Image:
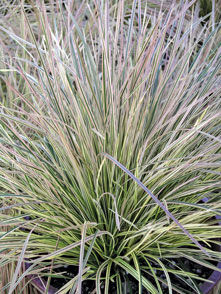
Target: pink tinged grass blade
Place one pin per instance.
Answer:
(130, 28)
(84, 263)
(19, 264)
(213, 14)
(156, 200)
(81, 266)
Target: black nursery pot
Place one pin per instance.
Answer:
(206, 287)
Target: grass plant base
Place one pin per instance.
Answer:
(131, 284)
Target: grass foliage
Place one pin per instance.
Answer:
(92, 92)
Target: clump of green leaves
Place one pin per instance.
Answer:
(96, 95)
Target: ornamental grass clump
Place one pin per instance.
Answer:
(109, 140)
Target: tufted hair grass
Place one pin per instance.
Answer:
(94, 94)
